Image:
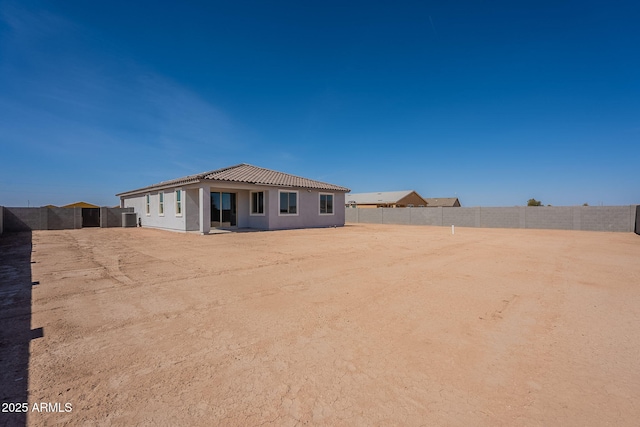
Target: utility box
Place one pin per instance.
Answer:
(129, 219)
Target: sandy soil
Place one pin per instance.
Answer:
(361, 325)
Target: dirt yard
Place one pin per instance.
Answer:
(361, 325)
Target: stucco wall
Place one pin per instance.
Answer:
(191, 214)
(591, 218)
(257, 221)
(168, 220)
(308, 210)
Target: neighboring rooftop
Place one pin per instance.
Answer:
(80, 205)
(386, 199)
(245, 173)
(375, 198)
(443, 201)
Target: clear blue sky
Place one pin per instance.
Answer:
(494, 102)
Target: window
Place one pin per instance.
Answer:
(147, 204)
(257, 203)
(326, 204)
(160, 203)
(288, 203)
(178, 202)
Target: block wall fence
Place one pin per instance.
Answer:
(587, 218)
(26, 219)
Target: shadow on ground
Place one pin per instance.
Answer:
(15, 324)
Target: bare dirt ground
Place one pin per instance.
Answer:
(361, 325)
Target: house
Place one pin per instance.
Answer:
(387, 199)
(240, 196)
(447, 202)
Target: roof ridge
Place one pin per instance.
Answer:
(272, 170)
(203, 174)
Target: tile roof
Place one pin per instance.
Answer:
(244, 173)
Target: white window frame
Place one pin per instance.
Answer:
(251, 213)
(297, 202)
(333, 204)
(178, 203)
(161, 203)
(147, 204)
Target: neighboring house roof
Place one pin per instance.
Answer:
(443, 201)
(80, 205)
(244, 173)
(384, 197)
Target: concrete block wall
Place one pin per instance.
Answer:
(112, 217)
(501, 217)
(550, 217)
(395, 216)
(26, 219)
(637, 227)
(62, 218)
(424, 216)
(370, 216)
(589, 218)
(461, 217)
(351, 215)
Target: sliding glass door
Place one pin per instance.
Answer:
(223, 209)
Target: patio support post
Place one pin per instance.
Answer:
(204, 203)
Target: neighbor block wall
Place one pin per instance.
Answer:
(26, 219)
(370, 216)
(590, 218)
(351, 215)
(460, 217)
(112, 217)
(62, 218)
(426, 216)
(500, 217)
(551, 217)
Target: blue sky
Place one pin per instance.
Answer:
(492, 102)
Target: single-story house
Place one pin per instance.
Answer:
(385, 199)
(240, 196)
(447, 202)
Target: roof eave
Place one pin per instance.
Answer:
(160, 186)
